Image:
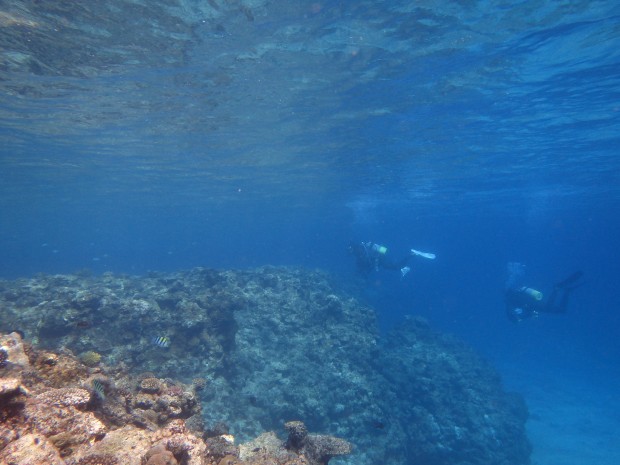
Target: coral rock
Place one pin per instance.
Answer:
(52, 419)
(199, 383)
(176, 426)
(150, 385)
(9, 386)
(265, 449)
(65, 396)
(229, 460)
(317, 448)
(179, 445)
(31, 449)
(4, 356)
(128, 444)
(90, 358)
(48, 359)
(98, 459)
(14, 348)
(220, 447)
(186, 448)
(157, 449)
(163, 458)
(297, 434)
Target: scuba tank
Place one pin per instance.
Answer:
(533, 293)
(380, 249)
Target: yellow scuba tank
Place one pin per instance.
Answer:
(537, 295)
(381, 249)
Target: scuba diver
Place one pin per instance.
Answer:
(370, 257)
(523, 302)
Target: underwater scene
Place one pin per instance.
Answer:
(268, 232)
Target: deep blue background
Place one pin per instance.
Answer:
(459, 292)
(480, 132)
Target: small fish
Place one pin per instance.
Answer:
(162, 341)
(83, 324)
(99, 389)
(378, 424)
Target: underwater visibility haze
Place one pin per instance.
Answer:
(175, 169)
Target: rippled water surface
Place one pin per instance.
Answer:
(181, 102)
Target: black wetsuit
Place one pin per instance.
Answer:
(521, 304)
(368, 258)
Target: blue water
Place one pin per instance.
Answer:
(238, 134)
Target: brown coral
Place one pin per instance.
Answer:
(163, 458)
(48, 359)
(4, 356)
(229, 460)
(297, 434)
(220, 446)
(59, 370)
(199, 383)
(157, 449)
(320, 448)
(90, 358)
(317, 448)
(150, 385)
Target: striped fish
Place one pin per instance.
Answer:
(99, 389)
(162, 341)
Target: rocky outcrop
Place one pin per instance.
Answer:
(449, 403)
(47, 425)
(258, 349)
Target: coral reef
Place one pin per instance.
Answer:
(42, 424)
(259, 348)
(4, 356)
(317, 448)
(90, 358)
(455, 410)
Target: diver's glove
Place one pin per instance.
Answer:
(428, 255)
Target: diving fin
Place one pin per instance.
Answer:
(570, 281)
(430, 256)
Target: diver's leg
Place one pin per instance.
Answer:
(571, 281)
(564, 301)
(388, 264)
(564, 288)
(549, 306)
(561, 307)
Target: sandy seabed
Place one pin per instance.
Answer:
(574, 415)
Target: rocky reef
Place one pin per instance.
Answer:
(450, 403)
(54, 410)
(258, 349)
